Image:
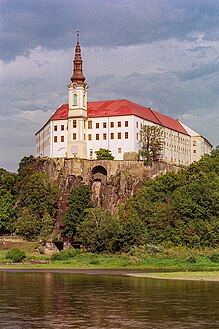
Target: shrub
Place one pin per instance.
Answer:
(64, 254)
(191, 259)
(214, 258)
(16, 255)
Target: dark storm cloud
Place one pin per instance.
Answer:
(27, 24)
(200, 72)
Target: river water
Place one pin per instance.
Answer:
(54, 300)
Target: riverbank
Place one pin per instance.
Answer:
(138, 273)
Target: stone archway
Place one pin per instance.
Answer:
(98, 176)
(99, 173)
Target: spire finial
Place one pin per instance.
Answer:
(78, 72)
(77, 33)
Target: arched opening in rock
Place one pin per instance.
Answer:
(99, 174)
(99, 170)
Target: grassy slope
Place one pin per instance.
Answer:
(87, 260)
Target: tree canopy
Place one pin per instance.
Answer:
(104, 154)
(150, 143)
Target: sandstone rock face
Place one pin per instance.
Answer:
(112, 182)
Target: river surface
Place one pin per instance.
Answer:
(64, 300)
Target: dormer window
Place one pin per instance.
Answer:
(75, 99)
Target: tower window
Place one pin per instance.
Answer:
(104, 136)
(104, 124)
(74, 136)
(89, 124)
(55, 128)
(75, 99)
(74, 124)
(111, 124)
(119, 135)
(126, 135)
(55, 139)
(84, 103)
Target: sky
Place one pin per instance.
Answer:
(162, 54)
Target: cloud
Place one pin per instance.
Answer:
(52, 24)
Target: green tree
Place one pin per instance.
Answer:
(104, 154)
(79, 201)
(6, 212)
(36, 192)
(150, 143)
(28, 224)
(99, 231)
(25, 161)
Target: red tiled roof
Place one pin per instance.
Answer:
(122, 107)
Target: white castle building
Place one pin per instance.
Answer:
(80, 128)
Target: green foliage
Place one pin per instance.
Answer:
(25, 161)
(64, 254)
(150, 143)
(6, 212)
(104, 154)
(102, 232)
(16, 255)
(79, 201)
(181, 208)
(214, 258)
(37, 193)
(31, 226)
(99, 231)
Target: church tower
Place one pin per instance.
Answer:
(77, 112)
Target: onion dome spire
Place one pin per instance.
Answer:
(78, 76)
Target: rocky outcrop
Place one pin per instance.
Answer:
(111, 181)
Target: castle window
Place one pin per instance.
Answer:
(55, 128)
(112, 135)
(119, 150)
(62, 139)
(75, 100)
(194, 151)
(84, 124)
(91, 154)
(85, 137)
(137, 136)
(97, 125)
(89, 124)
(62, 127)
(104, 124)
(141, 125)
(104, 136)
(84, 103)
(55, 139)
(97, 137)
(89, 137)
(126, 123)
(194, 143)
(111, 124)
(74, 136)
(119, 124)
(74, 123)
(126, 135)
(137, 124)
(119, 135)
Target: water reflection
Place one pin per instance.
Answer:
(48, 300)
